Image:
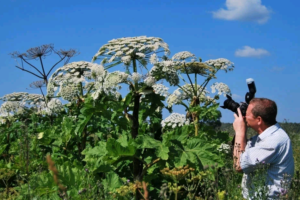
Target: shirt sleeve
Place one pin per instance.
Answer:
(252, 156)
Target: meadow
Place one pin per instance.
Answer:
(84, 140)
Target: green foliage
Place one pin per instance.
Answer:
(113, 148)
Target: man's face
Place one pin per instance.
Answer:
(250, 119)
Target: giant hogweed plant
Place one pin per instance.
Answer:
(117, 137)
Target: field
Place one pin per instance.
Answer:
(85, 139)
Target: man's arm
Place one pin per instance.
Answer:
(239, 126)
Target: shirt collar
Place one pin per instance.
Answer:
(269, 131)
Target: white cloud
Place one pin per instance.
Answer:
(251, 52)
(244, 10)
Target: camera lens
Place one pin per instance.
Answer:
(230, 104)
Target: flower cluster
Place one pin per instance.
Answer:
(150, 81)
(186, 93)
(221, 63)
(224, 148)
(166, 70)
(183, 55)
(160, 89)
(68, 79)
(136, 77)
(109, 83)
(74, 80)
(175, 120)
(11, 108)
(24, 98)
(54, 106)
(222, 88)
(129, 48)
(15, 96)
(34, 99)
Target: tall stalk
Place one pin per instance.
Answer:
(137, 164)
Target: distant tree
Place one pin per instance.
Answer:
(40, 53)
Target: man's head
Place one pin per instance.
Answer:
(261, 112)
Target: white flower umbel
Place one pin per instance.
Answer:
(69, 91)
(224, 148)
(160, 89)
(153, 59)
(186, 93)
(175, 120)
(34, 99)
(183, 55)
(136, 77)
(222, 88)
(74, 80)
(11, 108)
(72, 76)
(54, 106)
(150, 81)
(16, 96)
(25, 98)
(221, 63)
(98, 71)
(126, 49)
(166, 70)
(110, 84)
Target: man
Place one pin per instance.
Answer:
(271, 146)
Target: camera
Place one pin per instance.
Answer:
(233, 106)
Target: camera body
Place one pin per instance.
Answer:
(233, 106)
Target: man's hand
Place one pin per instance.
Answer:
(239, 124)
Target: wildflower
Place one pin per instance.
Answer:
(136, 77)
(129, 48)
(182, 56)
(222, 88)
(150, 81)
(165, 70)
(175, 120)
(153, 59)
(186, 93)
(160, 89)
(224, 148)
(54, 106)
(221, 63)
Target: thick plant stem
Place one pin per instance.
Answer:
(196, 124)
(84, 137)
(135, 116)
(176, 192)
(137, 164)
(196, 84)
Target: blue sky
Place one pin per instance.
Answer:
(261, 37)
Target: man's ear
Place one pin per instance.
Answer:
(259, 120)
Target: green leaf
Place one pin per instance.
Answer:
(196, 151)
(145, 141)
(162, 152)
(99, 150)
(114, 148)
(94, 157)
(123, 140)
(112, 181)
(203, 151)
(2, 148)
(127, 100)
